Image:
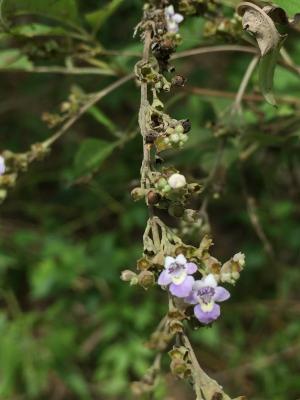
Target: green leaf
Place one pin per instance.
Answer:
(13, 58)
(291, 7)
(91, 155)
(97, 18)
(63, 10)
(102, 119)
(33, 30)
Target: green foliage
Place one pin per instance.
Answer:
(91, 154)
(63, 10)
(69, 328)
(292, 7)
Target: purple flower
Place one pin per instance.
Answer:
(177, 274)
(205, 293)
(2, 165)
(173, 19)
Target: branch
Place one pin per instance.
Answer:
(94, 98)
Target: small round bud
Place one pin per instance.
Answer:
(174, 138)
(162, 182)
(179, 129)
(143, 264)
(184, 138)
(178, 81)
(177, 181)
(146, 279)
(153, 197)
(137, 193)
(166, 189)
(169, 130)
(127, 275)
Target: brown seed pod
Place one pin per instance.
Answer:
(153, 197)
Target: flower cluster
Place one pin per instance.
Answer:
(203, 293)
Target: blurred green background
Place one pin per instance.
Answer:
(69, 328)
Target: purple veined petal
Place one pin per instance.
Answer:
(178, 18)
(221, 294)
(210, 280)
(207, 317)
(164, 278)
(180, 259)
(168, 261)
(184, 289)
(191, 268)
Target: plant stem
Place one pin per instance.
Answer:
(94, 98)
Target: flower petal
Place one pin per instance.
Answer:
(210, 280)
(221, 294)
(180, 259)
(178, 18)
(191, 298)
(207, 317)
(168, 261)
(184, 289)
(179, 277)
(164, 278)
(169, 11)
(191, 268)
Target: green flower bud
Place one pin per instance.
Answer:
(174, 138)
(179, 128)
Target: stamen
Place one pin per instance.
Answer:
(206, 294)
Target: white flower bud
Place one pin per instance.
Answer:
(2, 165)
(177, 181)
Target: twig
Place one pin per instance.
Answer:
(92, 100)
(61, 70)
(145, 168)
(231, 95)
(254, 219)
(236, 108)
(214, 49)
(204, 385)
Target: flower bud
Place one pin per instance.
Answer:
(143, 264)
(177, 181)
(127, 275)
(137, 193)
(178, 81)
(174, 138)
(153, 197)
(146, 279)
(2, 165)
(179, 128)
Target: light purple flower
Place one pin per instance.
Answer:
(176, 275)
(2, 165)
(205, 293)
(173, 19)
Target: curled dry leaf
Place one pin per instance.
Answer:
(260, 22)
(257, 22)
